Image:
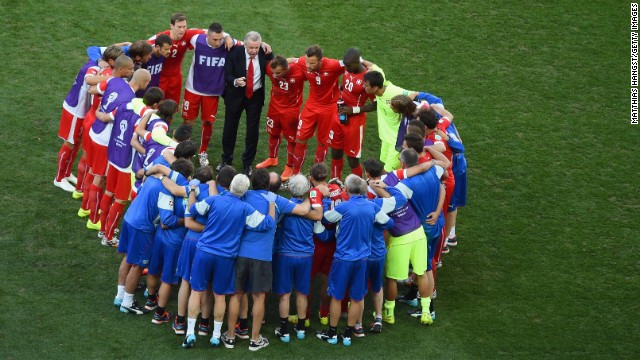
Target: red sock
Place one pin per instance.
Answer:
(82, 171)
(274, 144)
(113, 219)
(64, 157)
(207, 130)
(345, 304)
(321, 153)
(357, 171)
(95, 194)
(74, 155)
(291, 145)
(105, 206)
(324, 309)
(336, 168)
(86, 189)
(299, 153)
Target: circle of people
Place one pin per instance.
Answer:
(215, 237)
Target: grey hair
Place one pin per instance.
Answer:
(239, 185)
(298, 186)
(253, 36)
(409, 157)
(355, 185)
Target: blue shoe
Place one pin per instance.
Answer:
(285, 338)
(179, 328)
(161, 319)
(324, 336)
(203, 330)
(117, 302)
(452, 241)
(346, 341)
(242, 333)
(411, 302)
(189, 340)
(151, 304)
(299, 333)
(215, 341)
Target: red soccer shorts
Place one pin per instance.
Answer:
(86, 127)
(172, 86)
(118, 183)
(283, 123)
(193, 102)
(348, 137)
(70, 127)
(316, 117)
(449, 185)
(99, 159)
(322, 257)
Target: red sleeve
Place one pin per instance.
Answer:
(102, 86)
(443, 124)
(334, 65)
(315, 197)
(301, 63)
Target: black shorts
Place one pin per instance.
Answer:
(253, 276)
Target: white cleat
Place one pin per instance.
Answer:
(64, 185)
(72, 179)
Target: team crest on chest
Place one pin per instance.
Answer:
(184, 43)
(359, 82)
(325, 73)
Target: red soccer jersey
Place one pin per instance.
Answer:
(323, 84)
(437, 139)
(173, 64)
(286, 92)
(353, 92)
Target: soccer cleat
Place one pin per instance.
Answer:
(346, 341)
(415, 313)
(376, 325)
(215, 341)
(323, 320)
(270, 162)
(257, 345)
(300, 334)
(113, 243)
(83, 213)
(221, 165)
(203, 330)
(117, 302)
(285, 338)
(445, 249)
(358, 331)
(76, 194)
(228, 342)
(64, 185)
(133, 309)
(152, 303)
(72, 179)
(178, 328)
(425, 318)
(161, 319)
(439, 264)
(93, 226)
(241, 333)
(324, 336)
(389, 319)
(452, 241)
(204, 159)
(286, 173)
(411, 302)
(189, 340)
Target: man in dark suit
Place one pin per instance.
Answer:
(245, 75)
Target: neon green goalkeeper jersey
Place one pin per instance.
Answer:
(388, 121)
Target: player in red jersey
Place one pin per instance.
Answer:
(171, 76)
(321, 106)
(284, 110)
(347, 131)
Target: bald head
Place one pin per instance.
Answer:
(274, 182)
(140, 79)
(123, 66)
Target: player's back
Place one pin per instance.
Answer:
(143, 210)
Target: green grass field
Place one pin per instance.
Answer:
(547, 264)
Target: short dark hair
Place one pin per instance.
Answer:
(204, 174)
(163, 39)
(314, 50)
(140, 48)
(183, 166)
(409, 157)
(182, 133)
(428, 117)
(215, 28)
(186, 150)
(279, 60)
(176, 17)
(418, 127)
(373, 167)
(260, 179)
(374, 78)
(152, 96)
(319, 172)
(414, 141)
(112, 53)
(225, 176)
(352, 55)
(166, 109)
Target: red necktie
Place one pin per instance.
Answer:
(249, 86)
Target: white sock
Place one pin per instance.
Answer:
(127, 300)
(191, 326)
(120, 293)
(217, 325)
(452, 233)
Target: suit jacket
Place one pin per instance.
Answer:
(236, 67)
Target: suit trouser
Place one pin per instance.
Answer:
(253, 109)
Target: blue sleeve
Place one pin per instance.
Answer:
(165, 210)
(401, 200)
(455, 145)
(388, 225)
(402, 131)
(94, 53)
(325, 235)
(284, 205)
(431, 99)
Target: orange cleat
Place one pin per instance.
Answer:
(268, 163)
(286, 174)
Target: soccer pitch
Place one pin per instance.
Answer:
(546, 265)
